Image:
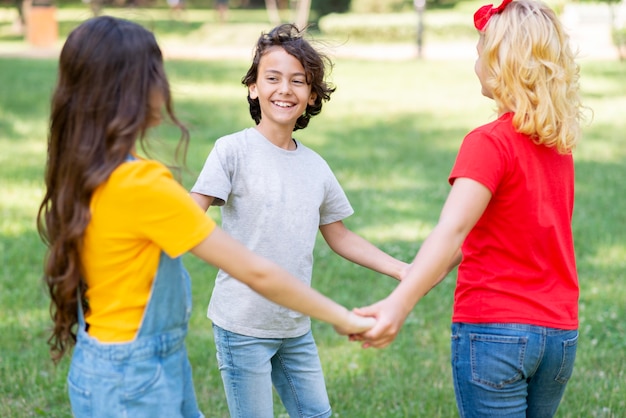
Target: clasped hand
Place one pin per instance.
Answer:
(385, 321)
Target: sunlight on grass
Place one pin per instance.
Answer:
(27, 128)
(345, 358)
(600, 86)
(140, 14)
(600, 150)
(354, 180)
(8, 227)
(25, 318)
(403, 231)
(243, 34)
(203, 91)
(18, 208)
(612, 108)
(610, 255)
(22, 195)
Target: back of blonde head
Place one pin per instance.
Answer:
(530, 68)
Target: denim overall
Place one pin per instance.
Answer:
(149, 376)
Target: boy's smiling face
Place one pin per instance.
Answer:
(281, 88)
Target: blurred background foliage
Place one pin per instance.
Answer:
(366, 20)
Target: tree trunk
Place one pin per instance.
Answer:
(303, 9)
(272, 11)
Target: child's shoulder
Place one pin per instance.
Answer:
(244, 137)
(314, 157)
(498, 128)
(140, 171)
(235, 136)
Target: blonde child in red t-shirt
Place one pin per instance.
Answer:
(507, 220)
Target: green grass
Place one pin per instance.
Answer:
(390, 132)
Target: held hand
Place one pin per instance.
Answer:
(389, 320)
(355, 324)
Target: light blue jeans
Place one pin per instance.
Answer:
(512, 370)
(249, 366)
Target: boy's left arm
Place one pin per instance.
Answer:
(357, 249)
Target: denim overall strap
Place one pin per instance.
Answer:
(167, 314)
(169, 306)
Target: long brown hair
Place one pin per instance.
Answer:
(108, 70)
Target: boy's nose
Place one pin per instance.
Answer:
(284, 87)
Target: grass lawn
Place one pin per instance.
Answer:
(390, 132)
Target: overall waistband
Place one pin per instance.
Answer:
(145, 347)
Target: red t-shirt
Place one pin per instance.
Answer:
(518, 261)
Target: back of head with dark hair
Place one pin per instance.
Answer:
(316, 64)
(108, 70)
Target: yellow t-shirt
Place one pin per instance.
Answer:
(137, 213)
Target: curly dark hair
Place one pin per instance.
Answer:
(108, 68)
(316, 66)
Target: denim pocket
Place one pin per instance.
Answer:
(497, 360)
(140, 377)
(80, 399)
(567, 363)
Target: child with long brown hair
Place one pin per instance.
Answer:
(509, 213)
(116, 225)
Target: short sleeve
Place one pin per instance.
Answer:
(480, 158)
(336, 205)
(215, 178)
(163, 210)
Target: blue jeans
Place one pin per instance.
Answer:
(512, 370)
(249, 366)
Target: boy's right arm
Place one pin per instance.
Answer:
(275, 283)
(202, 200)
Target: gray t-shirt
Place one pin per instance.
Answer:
(275, 201)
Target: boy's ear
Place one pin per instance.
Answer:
(312, 98)
(252, 91)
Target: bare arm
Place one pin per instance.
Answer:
(456, 260)
(275, 283)
(439, 253)
(203, 201)
(357, 249)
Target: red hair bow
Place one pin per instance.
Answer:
(482, 15)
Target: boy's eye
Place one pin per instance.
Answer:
(298, 81)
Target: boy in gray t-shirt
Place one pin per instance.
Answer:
(275, 195)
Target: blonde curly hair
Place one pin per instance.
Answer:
(530, 68)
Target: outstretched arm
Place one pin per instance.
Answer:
(439, 253)
(456, 260)
(202, 200)
(275, 283)
(357, 249)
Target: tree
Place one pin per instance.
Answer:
(272, 11)
(302, 10)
